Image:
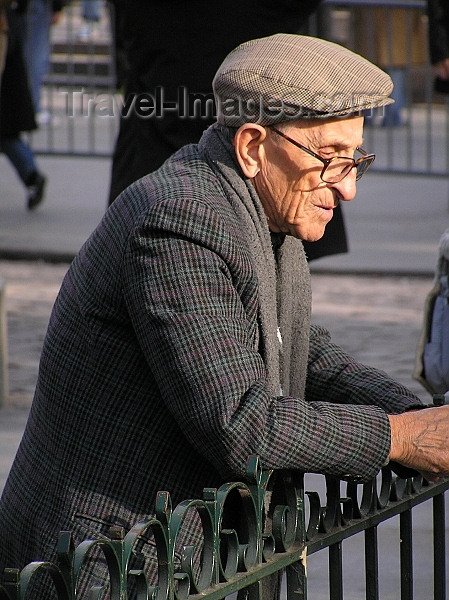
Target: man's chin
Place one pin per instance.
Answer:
(313, 236)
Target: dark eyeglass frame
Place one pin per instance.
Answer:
(362, 164)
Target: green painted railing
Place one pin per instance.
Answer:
(228, 559)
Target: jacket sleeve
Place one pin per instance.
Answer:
(192, 299)
(335, 376)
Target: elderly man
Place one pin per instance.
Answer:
(180, 342)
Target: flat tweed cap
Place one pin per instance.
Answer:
(287, 76)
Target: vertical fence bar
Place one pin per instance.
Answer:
(296, 582)
(371, 564)
(408, 90)
(335, 572)
(406, 550)
(439, 548)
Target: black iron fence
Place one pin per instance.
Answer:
(229, 559)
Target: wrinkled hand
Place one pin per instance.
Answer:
(420, 440)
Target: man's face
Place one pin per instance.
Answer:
(297, 202)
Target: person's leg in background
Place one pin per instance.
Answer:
(91, 10)
(22, 158)
(91, 17)
(17, 112)
(37, 49)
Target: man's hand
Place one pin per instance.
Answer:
(420, 440)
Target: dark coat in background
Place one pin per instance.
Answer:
(16, 106)
(438, 28)
(438, 13)
(177, 46)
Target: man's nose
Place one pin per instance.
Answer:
(347, 187)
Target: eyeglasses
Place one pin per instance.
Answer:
(336, 168)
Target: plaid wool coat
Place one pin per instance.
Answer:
(157, 372)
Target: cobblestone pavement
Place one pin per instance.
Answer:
(377, 319)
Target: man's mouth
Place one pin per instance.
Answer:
(330, 208)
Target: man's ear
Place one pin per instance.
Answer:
(247, 143)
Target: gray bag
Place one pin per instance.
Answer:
(432, 356)
(436, 351)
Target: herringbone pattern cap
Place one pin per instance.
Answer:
(287, 76)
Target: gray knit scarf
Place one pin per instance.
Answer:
(283, 274)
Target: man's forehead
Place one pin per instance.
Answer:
(332, 132)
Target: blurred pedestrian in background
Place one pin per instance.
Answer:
(16, 110)
(438, 15)
(40, 15)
